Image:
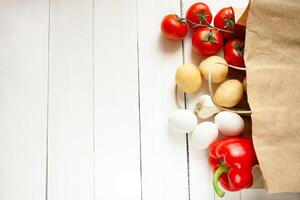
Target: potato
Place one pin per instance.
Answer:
(245, 84)
(229, 93)
(188, 78)
(218, 71)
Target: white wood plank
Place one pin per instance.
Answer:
(261, 194)
(164, 158)
(23, 99)
(117, 152)
(70, 143)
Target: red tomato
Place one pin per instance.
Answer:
(234, 52)
(198, 13)
(225, 20)
(173, 27)
(240, 31)
(207, 41)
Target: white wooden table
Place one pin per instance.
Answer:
(85, 90)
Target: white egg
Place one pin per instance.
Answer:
(229, 123)
(204, 134)
(182, 121)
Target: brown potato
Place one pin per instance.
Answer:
(245, 84)
(229, 93)
(188, 78)
(218, 66)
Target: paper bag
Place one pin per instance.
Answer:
(272, 58)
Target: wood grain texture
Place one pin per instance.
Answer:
(117, 144)
(164, 155)
(70, 143)
(23, 99)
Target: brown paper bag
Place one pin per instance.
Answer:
(272, 57)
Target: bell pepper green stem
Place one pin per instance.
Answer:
(223, 168)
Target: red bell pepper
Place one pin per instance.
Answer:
(232, 160)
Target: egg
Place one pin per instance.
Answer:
(182, 121)
(204, 134)
(229, 123)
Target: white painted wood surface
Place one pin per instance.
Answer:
(70, 128)
(96, 129)
(117, 135)
(164, 155)
(23, 99)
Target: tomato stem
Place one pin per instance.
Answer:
(181, 19)
(195, 25)
(239, 48)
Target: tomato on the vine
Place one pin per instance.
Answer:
(207, 41)
(234, 52)
(173, 27)
(225, 20)
(198, 13)
(240, 31)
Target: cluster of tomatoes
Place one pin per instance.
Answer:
(208, 39)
